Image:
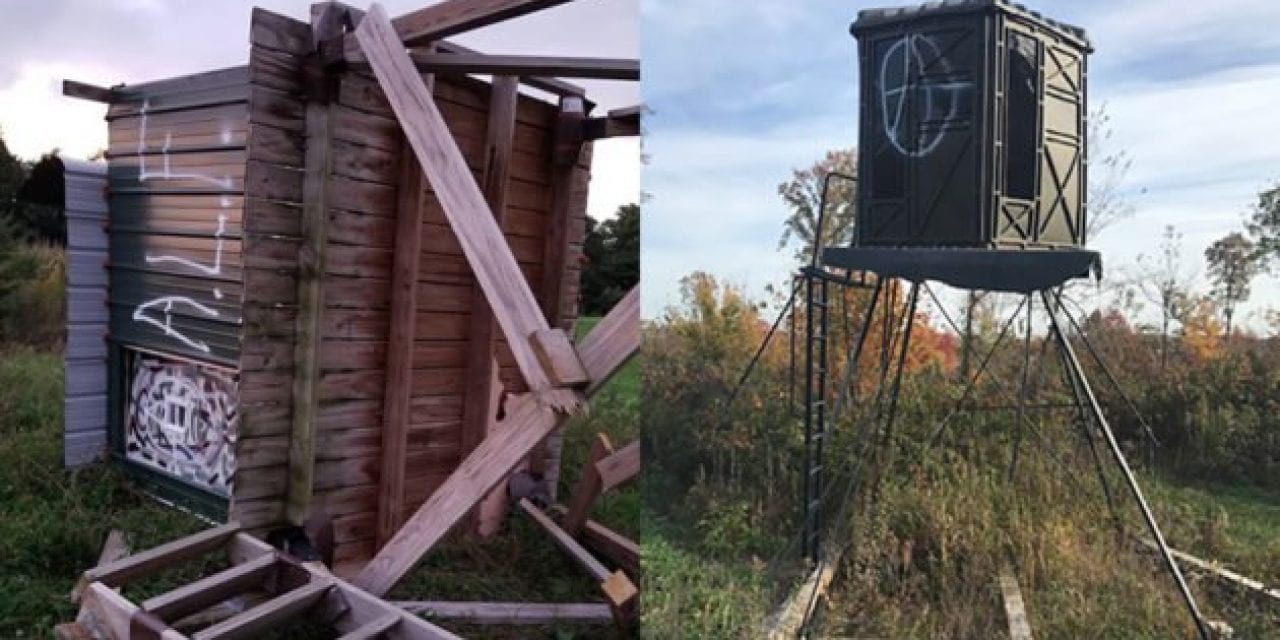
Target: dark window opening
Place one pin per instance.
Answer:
(1022, 115)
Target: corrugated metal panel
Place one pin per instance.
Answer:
(176, 166)
(85, 417)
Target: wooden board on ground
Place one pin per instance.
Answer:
(1015, 609)
(513, 613)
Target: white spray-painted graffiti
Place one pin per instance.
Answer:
(181, 419)
(918, 95)
(158, 311)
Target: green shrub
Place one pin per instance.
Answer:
(33, 296)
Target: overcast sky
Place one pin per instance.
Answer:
(744, 91)
(107, 42)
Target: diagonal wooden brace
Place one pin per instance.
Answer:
(529, 418)
(514, 306)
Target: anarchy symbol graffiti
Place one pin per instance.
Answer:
(917, 95)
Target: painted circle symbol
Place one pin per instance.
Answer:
(913, 105)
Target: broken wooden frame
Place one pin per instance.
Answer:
(292, 590)
(549, 363)
(560, 375)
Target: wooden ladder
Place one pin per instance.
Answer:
(275, 588)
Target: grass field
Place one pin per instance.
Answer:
(925, 566)
(53, 522)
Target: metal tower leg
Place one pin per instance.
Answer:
(1103, 426)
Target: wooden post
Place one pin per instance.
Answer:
(482, 371)
(326, 24)
(404, 305)
(568, 157)
(397, 399)
(587, 489)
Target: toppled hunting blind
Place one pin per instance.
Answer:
(341, 280)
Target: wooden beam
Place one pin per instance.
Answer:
(120, 572)
(397, 397)
(486, 250)
(529, 418)
(617, 587)
(553, 86)
(513, 613)
(622, 466)
(1015, 610)
(85, 91)
(478, 410)
(559, 359)
(268, 615)
(508, 65)
(618, 123)
(210, 590)
(612, 342)
(451, 17)
(318, 165)
(587, 489)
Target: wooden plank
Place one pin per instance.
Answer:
(787, 622)
(450, 17)
(493, 508)
(559, 359)
(512, 613)
(1015, 609)
(514, 306)
(571, 547)
(108, 614)
(115, 548)
(619, 549)
(508, 65)
(528, 419)
(404, 306)
(613, 341)
(373, 629)
(193, 597)
(618, 589)
(482, 382)
(587, 488)
(85, 91)
(353, 608)
(1249, 584)
(622, 466)
(268, 615)
(310, 273)
(120, 572)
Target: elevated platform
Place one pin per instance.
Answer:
(1014, 270)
